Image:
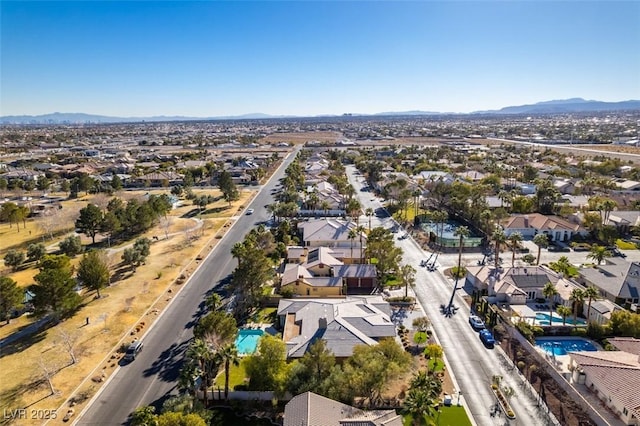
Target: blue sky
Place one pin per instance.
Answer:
(211, 58)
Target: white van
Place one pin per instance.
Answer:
(133, 350)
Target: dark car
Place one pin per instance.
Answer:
(487, 338)
(133, 350)
(476, 322)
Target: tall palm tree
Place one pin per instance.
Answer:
(200, 353)
(577, 297)
(369, 213)
(498, 238)
(542, 241)
(514, 242)
(352, 236)
(325, 206)
(598, 253)
(440, 217)
(590, 293)
(549, 290)
(360, 230)
(564, 312)
(228, 355)
(462, 232)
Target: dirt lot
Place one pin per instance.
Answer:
(125, 311)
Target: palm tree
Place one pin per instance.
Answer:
(462, 232)
(542, 241)
(419, 405)
(408, 273)
(369, 213)
(440, 217)
(228, 355)
(598, 253)
(549, 290)
(352, 236)
(200, 353)
(514, 242)
(590, 293)
(499, 238)
(577, 297)
(564, 312)
(325, 206)
(360, 230)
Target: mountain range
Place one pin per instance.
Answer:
(574, 105)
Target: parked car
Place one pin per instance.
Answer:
(476, 322)
(487, 338)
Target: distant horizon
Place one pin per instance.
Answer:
(309, 59)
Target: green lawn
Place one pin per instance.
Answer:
(236, 376)
(264, 316)
(625, 245)
(449, 416)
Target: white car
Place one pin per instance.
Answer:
(476, 322)
(250, 211)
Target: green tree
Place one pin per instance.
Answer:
(499, 238)
(542, 241)
(54, 290)
(203, 356)
(253, 270)
(564, 312)
(408, 274)
(216, 327)
(228, 355)
(590, 293)
(312, 371)
(35, 252)
(514, 242)
(93, 270)
(14, 258)
(228, 187)
(116, 182)
(267, 368)
(171, 418)
(577, 298)
(380, 246)
(89, 221)
(598, 253)
(419, 405)
(71, 246)
(550, 291)
(144, 416)
(11, 297)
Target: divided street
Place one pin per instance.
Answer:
(153, 376)
(471, 364)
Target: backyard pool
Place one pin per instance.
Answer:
(247, 341)
(562, 346)
(543, 319)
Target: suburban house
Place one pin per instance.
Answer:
(160, 178)
(341, 323)
(329, 233)
(613, 377)
(623, 220)
(310, 409)
(617, 280)
(318, 273)
(530, 225)
(518, 285)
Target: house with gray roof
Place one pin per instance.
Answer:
(310, 409)
(617, 280)
(329, 233)
(341, 323)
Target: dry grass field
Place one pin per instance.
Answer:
(126, 310)
(302, 137)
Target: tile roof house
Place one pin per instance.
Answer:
(612, 377)
(617, 280)
(529, 225)
(329, 233)
(310, 409)
(318, 273)
(341, 323)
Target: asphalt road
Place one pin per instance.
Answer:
(153, 375)
(471, 364)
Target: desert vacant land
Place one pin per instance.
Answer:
(125, 311)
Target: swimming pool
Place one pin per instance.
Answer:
(543, 319)
(247, 341)
(562, 346)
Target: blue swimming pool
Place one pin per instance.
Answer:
(562, 346)
(247, 341)
(543, 319)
